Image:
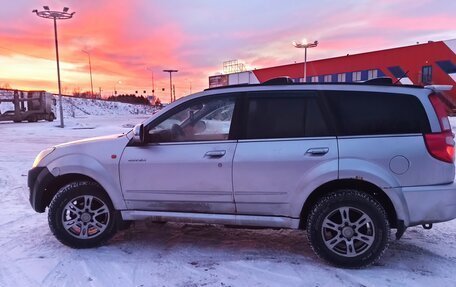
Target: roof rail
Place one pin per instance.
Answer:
(381, 81)
(439, 88)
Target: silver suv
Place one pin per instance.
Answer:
(345, 162)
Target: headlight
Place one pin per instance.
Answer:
(42, 154)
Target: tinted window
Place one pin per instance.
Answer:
(284, 117)
(366, 113)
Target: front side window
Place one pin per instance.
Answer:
(284, 116)
(205, 120)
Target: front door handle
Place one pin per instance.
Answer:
(215, 153)
(318, 151)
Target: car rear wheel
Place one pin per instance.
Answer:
(348, 228)
(81, 215)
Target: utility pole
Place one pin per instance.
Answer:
(56, 15)
(170, 83)
(153, 83)
(90, 69)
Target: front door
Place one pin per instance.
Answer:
(186, 164)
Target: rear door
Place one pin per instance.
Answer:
(286, 146)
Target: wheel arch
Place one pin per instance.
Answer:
(360, 185)
(60, 181)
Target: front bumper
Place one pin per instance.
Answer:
(430, 204)
(38, 179)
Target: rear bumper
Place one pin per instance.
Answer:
(430, 204)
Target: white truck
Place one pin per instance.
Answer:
(32, 106)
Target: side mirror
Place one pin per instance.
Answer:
(138, 134)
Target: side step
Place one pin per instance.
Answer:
(227, 219)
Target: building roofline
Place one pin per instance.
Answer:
(353, 55)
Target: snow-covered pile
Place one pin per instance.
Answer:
(83, 107)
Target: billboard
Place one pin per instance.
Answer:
(218, 81)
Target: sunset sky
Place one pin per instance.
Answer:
(125, 38)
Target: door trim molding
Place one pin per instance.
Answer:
(229, 219)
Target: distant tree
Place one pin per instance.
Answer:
(77, 92)
(86, 95)
(5, 86)
(130, 99)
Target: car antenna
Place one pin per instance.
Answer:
(404, 75)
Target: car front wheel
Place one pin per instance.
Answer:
(348, 228)
(81, 215)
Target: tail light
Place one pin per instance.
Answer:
(440, 145)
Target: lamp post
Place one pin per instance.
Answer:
(90, 69)
(305, 45)
(56, 15)
(170, 83)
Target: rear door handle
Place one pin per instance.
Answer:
(215, 153)
(318, 151)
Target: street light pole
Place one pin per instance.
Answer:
(170, 83)
(56, 15)
(305, 45)
(90, 69)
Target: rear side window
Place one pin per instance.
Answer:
(284, 116)
(369, 113)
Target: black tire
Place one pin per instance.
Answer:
(50, 117)
(76, 206)
(348, 228)
(32, 119)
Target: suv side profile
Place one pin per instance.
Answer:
(345, 162)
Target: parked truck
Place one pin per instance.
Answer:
(31, 106)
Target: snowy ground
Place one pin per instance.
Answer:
(150, 254)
